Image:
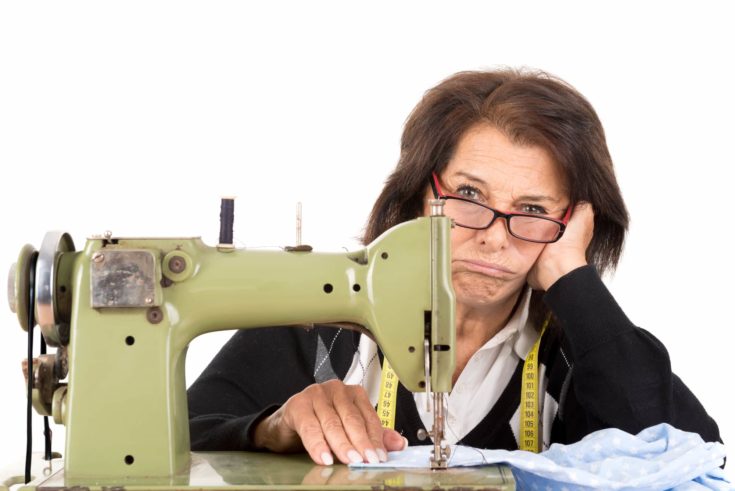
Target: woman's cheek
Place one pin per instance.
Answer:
(527, 255)
(460, 237)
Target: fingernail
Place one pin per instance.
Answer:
(405, 443)
(372, 457)
(382, 455)
(327, 458)
(354, 457)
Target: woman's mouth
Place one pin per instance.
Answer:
(488, 269)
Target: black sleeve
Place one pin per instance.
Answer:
(621, 374)
(252, 375)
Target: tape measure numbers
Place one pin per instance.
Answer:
(528, 433)
(387, 399)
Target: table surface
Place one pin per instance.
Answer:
(253, 470)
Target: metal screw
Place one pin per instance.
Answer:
(98, 257)
(177, 264)
(148, 300)
(108, 234)
(422, 434)
(154, 315)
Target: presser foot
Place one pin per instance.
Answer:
(441, 452)
(441, 462)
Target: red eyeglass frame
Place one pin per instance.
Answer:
(439, 194)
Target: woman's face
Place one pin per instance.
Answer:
(489, 267)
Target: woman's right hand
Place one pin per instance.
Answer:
(329, 419)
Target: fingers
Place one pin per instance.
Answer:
(374, 429)
(568, 253)
(583, 208)
(579, 232)
(356, 435)
(301, 417)
(581, 223)
(394, 441)
(336, 420)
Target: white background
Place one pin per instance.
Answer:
(136, 117)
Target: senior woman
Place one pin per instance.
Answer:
(521, 161)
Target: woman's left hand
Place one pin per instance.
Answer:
(568, 253)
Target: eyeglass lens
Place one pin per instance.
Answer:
(474, 215)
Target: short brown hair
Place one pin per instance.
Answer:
(531, 108)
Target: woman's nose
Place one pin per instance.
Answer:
(496, 235)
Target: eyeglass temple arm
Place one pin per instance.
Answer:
(435, 187)
(568, 214)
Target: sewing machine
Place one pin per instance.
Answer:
(122, 311)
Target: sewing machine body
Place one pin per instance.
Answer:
(132, 306)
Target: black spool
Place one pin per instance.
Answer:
(226, 220)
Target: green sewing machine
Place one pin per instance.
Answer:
(121, 313)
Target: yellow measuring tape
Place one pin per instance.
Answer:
(387, 412)
(387, 400)
(530, 416)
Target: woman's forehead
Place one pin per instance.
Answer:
(485, 157)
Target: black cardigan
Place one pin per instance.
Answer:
(602, 371)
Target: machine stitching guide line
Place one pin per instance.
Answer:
(122, 311)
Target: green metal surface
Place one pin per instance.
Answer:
(247, 471)
(444, 332)
(21, 285)
(125, 409)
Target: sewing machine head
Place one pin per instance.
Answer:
(122, 311)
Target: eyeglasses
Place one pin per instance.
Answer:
(471, 214)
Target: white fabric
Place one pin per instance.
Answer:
(478, 387)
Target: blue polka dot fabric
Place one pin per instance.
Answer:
(657, 458)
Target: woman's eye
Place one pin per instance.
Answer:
(469, 192)
(533, 210)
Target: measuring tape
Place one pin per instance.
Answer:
(387, 400)
(387, 412)
(530, 416)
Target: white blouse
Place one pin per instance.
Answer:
(479, 385)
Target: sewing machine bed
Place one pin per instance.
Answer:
(252, 470)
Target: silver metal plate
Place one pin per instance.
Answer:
(47, 266)
(123, 278)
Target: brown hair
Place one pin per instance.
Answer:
(532, 108)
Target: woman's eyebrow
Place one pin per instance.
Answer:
(537, 198)
(525, 197)
(470, 177)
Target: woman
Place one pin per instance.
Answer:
(522, 163)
